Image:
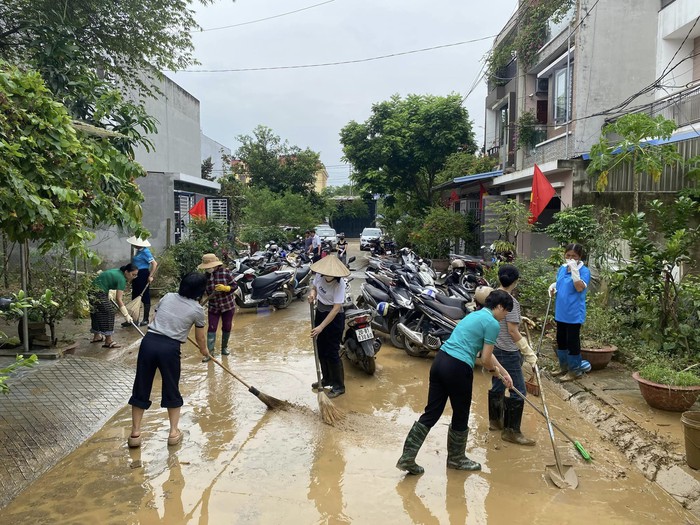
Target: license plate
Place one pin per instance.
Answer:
(364, 334)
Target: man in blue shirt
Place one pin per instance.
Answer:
(451, 377)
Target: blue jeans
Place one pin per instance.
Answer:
(512, 362)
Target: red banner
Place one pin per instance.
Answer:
(542, 193)
(199, 210)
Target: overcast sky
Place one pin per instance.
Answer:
(309, 106)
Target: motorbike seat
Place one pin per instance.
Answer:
(354, 311)
(267, 279)
(303, 271)
(377, 293)
(455, 302)
(449, 311)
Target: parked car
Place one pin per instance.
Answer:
(326, 233)
(369, 234)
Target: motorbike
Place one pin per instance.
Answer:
(395, 302)
(358, 343)
(273, 289)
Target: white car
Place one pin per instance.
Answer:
(326, 233)
(369, 234)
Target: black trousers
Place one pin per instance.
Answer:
(450, 379)
(157, 352)
(569, 337)
(138, 285)
(328, 341)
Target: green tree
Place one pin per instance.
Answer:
(275, 165)
(263, 207)
(207, 169)
(635, 130)
(403, 145)
(56, 183)
(509, 219)
(462, 163)
(121, 39)
(441, 229)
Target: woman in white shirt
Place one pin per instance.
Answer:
(328, 292)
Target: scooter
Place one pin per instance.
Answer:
(359, 344)
(273, 289)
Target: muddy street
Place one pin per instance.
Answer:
(240, 463)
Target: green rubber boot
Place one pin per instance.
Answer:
(414, 441)
(211, 343)
(225, 336)
(456, 445)
(496, 400)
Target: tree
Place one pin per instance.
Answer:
(56, 182)
(509, 219)
(404, 144)
(635, 149)
(276, 165)
(266, 208)
(121, 39)
(462, 163)
(207, 169)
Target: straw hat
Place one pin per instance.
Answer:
(209, 260)
(138, 242)
(330, 266)
(481, 293)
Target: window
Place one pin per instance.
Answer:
(562, 96)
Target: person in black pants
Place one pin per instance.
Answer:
(451, 377)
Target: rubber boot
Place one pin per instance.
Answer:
(325, 375)
(562, 355)
(146, 312)
(211, 343)
(456, 445)
(224, 343)
(496, 410)
(575, 370)
(337, 378)
(511, 422)
(414, 441)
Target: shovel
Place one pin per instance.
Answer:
(563, 476)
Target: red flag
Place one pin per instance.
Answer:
(542, 193)
(199, 211)
(482, 192)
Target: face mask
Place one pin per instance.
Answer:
(329, 279)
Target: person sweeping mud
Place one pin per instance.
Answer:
(222, 302)
(570, 288)
(328, 292)
(506, 413)
(160, 350)
(145, 262)
(101, 312)
(451, 377)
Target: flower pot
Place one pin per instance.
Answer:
(691, 433)
(667, 397)
(598, 357)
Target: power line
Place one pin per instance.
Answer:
(325, 64)
(264, 19)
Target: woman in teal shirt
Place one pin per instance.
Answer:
(451, 377)
(101, 312)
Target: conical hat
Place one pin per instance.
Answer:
(138, 242)
(330, 266)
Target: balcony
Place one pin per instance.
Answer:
(683, 108)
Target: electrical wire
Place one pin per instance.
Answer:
(264, 19)
(339, 63)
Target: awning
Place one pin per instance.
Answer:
(466, 179)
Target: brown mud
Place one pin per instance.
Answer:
(241, 463)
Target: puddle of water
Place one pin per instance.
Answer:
(241, 463)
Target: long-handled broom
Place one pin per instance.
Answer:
(330, 414)
(271, 402)
(134, 306)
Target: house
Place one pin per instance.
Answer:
(173, 183)
(215, 152)
(556, 77)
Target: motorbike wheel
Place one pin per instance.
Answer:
(397, 338)
(287, 300)
(369, 365)
(413, 349)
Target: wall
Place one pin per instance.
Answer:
(177, 145)
(213, 149)
(615, 57)
(674, 24)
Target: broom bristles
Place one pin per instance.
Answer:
(134, 307)
(272, 402)
(330, 414)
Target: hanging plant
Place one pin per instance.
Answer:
(526, 130)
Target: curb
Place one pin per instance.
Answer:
(644, 449)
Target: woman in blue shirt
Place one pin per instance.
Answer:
(143, 259)
(571, 287)
(451, 377)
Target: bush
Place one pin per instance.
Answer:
(662, 374)
(440, 230)
(208, 236)
(535, 277)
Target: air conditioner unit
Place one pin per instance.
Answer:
(542, 86)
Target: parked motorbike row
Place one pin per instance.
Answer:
(414, 306)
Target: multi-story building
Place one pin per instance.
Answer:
(560, 70)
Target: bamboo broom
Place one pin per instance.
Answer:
(134, 306)
(330, 414)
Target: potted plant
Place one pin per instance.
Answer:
(666, 389)
(597, 332)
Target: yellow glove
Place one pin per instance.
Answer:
(126, 315)
(222, 288)
(527, 351)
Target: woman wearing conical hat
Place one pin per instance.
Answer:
(143, 259)
(328, 292)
